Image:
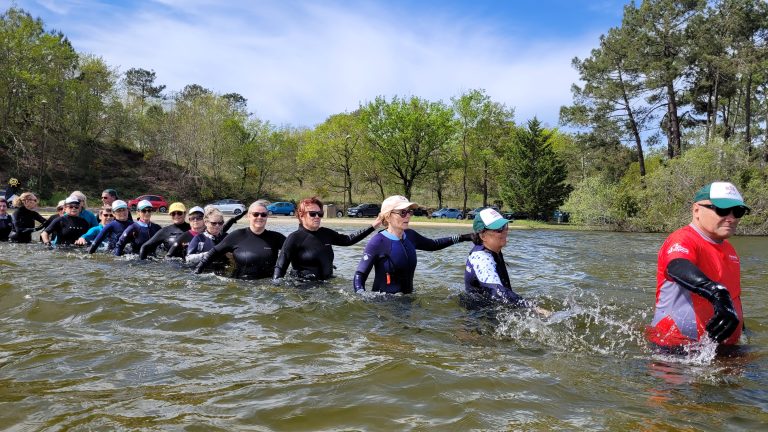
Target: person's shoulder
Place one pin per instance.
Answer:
(275, 234)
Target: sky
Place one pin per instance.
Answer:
(299, 61)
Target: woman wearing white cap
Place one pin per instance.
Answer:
(140, 231)
(486, 281)
(66, 229)
(392, 252)
(114, 229)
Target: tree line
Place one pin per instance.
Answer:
(669, 100)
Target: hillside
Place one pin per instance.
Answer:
(97, 167)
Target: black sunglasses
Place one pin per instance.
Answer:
(176, 213)
(316, 214)
(216, 223)
(73, 206)
(257, 214)
(147, 210)
(403, 213)
(738, 211)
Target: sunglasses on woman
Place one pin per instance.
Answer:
(738, 211)
(216, 223)
(315, 214)
(259, 214)
(147, 210)
(403, 213)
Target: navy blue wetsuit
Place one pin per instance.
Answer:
(6, 226)
(23, 224)
(111, 234)
(180, 246)
(136, 235)
(395, 260)
(486, 280)
(255, 254)
(67, 229)
(310, 252)
(166, 237)
(202, 243)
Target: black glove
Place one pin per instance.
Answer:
(467, 237)
(725, 321)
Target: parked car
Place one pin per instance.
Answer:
(514, 215)
(158, 202)
(471, 214)
(229, 206)
(448, 213)
(369, 210)
(420, 211)
(281, 208)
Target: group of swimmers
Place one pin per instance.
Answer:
(698, 291)
(257, 252)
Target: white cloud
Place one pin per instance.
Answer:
(300, 62)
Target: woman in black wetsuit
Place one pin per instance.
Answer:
(6, 222)
(24, 218)
(308, 250)
(167, 235)
(254, 248)
(68, 228)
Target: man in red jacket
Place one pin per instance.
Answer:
(698, 278)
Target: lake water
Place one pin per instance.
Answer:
(100, 343)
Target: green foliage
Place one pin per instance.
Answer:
(409, 136)
(535, 175)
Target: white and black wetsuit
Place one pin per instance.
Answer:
(24, 224)
(165, 237)
(310, 252)
(255, 254)
(486, 280)
(67, 229)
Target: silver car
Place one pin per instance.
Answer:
(232, 206)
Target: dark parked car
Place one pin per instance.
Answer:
(515, 215)
(368, 210)
(421, 211)
(471, 214)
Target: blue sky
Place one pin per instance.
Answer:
(297, 62)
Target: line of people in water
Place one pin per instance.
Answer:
(698, 290)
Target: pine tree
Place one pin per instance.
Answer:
(535, 175)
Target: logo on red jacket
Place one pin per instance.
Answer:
(677, 247)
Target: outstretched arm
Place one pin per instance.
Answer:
(687, 275)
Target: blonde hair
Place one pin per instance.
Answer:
(212, 212)
(19, 200)
(80, 197)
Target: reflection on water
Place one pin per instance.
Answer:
(95, 342)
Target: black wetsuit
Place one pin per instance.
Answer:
(111, 233)
(166, 236)
(255, 254)
(136, 235)
(6, 226)
(23, 225)
(310, 252)
(67, 229)
(180, 246)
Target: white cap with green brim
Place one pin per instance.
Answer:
(721, 194)
(488, 219)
